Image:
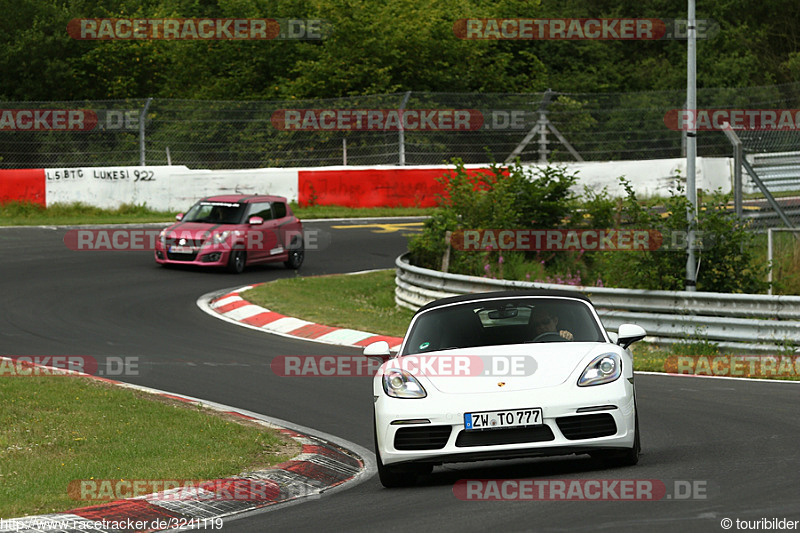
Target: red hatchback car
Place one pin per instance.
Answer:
(234, 231)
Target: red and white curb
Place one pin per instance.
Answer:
(322, 466)
(234, 308)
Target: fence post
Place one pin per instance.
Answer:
(448, 235)
(142, 118)
(543, 136)
(738, 154)
(402, 139)
(769, 260)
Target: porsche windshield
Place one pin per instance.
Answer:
(505, 321)
(215, 213)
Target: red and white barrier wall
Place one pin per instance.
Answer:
(174, 188)
(25, 185)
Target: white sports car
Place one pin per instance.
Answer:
(503, 375)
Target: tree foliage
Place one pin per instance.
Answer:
(382, 47)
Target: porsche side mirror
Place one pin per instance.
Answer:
(377, 349)
(630, 333)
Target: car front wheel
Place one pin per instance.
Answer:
(398, 476)
(624, 457)
(236, 261)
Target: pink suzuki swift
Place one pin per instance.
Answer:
(234, 231)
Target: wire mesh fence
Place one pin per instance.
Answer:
(553, 127)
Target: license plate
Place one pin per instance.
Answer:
(181, 250)
(511, 418)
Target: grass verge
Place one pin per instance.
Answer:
(30, 214)
(56, 429)
(366, 302)
(357, 301)
(337, 211)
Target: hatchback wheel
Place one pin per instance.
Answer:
(236, 261)
(296, 256)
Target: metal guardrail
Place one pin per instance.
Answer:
(752, 322)
(780, 171)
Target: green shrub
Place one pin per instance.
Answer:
(523, 198)
(726, 257)
(512, 197)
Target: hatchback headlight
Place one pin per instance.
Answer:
(219, 238)
(400, 384)
(603, 369)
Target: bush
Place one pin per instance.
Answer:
(726, 256)
(512, 197)
(522, 198)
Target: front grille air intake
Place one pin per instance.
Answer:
(587, 426)
(422, 438)
(494, 437)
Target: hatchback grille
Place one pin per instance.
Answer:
(587, 426)
(181, 257)
(422, 438)
(493, 437)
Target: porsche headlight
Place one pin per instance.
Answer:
(603, 369)
(400, 384)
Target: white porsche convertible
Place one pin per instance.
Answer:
(504, 375)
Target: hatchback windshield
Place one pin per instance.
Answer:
(505, 321)
(215, 213)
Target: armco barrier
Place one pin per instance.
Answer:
(750, 322)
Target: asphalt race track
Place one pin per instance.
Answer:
(738, 441)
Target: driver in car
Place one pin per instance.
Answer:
(545, 322)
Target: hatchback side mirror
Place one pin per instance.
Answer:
(179, 217)
(255, 221)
